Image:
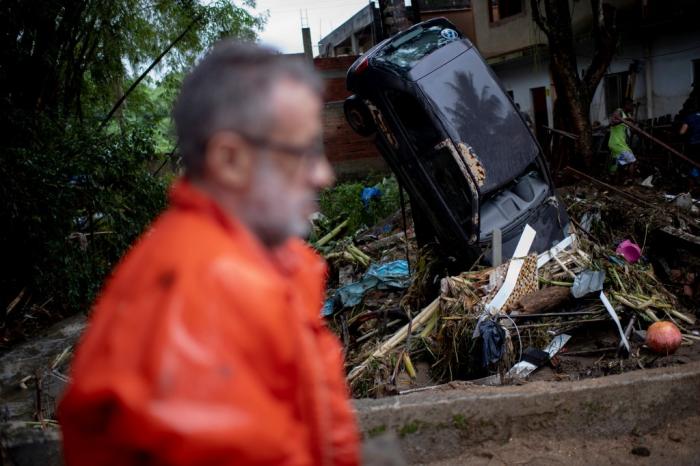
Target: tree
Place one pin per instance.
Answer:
(394, 18)
(68, 58)
(76, 192)
(575, 92)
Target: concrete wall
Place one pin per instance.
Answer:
(331, 44)
(524, 74)
(463, 19)
(671, 74)
(519, 32)
(358, 43)
(510, 34)
(439, 426)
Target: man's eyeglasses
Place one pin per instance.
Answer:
(310, 152)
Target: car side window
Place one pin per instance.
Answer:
(413, 117)
(438, 162)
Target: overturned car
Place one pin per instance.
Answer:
(455, 141)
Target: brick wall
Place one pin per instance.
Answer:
(334, 63)
(334, 90)
(350, 154)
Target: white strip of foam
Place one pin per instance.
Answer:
(514, 267)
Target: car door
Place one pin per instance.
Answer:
(428, 160)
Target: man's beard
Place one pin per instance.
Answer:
(271, 216)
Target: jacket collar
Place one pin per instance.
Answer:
(184, 195)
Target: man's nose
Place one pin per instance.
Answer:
(321, 174)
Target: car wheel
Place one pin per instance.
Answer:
(358, 116)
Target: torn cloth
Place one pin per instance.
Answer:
(494, 341)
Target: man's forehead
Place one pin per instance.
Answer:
(295, 104)
(288, 91)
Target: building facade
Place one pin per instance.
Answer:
(364, 29)
(658, 56)
(657, 60)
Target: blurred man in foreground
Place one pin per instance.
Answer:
(206, 347)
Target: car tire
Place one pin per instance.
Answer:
(358, 116)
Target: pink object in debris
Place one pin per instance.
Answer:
(630, 251)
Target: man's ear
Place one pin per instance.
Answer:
(228, 160)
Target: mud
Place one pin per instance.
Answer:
(676, 443)
(462, 419)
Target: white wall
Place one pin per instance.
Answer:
(524, 75)
(627, 53)
(671, 75)
(672, 71)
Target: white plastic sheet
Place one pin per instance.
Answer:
(615, 319)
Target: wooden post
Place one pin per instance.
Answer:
(662, 144)
(497, 247)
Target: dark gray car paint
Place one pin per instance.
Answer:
(466, 108)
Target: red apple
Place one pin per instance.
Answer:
(663, 337)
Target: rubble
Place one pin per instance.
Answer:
(400, 340)
(580, 293)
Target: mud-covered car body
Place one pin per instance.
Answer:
(455, 141)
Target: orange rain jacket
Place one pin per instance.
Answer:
(207, 349)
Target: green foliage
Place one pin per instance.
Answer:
(72, 58)
(410, 428)
(375, 431)
(71, 208)
(75, 194)
(150, 106)
(344, 201)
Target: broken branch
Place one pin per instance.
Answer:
(332, 234)
(397, 338)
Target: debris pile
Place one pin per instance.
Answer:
(593, 294)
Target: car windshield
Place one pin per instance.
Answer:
(408, 49)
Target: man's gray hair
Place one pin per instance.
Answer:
(229, 89)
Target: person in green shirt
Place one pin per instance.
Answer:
(622, 155)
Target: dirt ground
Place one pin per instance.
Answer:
(675, 444)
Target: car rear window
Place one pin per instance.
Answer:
(408, 49)
(469, 100)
